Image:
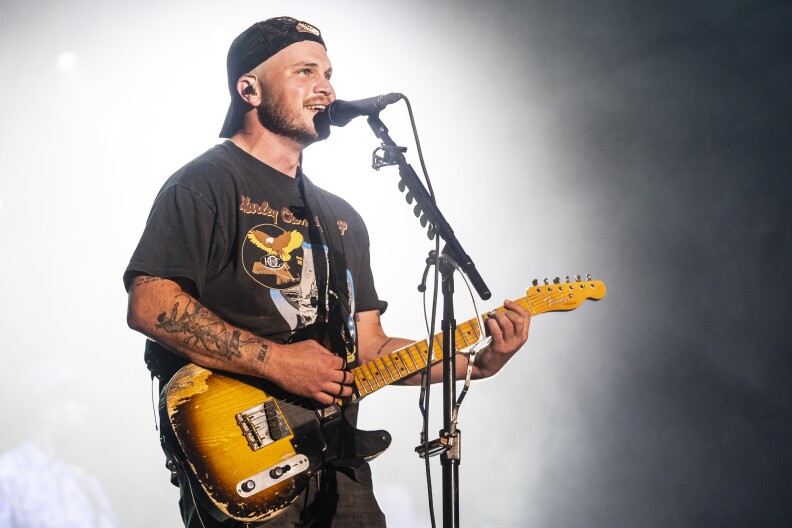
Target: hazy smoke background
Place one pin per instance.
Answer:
(646, 143)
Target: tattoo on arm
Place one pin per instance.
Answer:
(145, 279)
(381, 348)
(262, 355)
(204, 330)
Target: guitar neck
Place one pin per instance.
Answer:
(399, 364)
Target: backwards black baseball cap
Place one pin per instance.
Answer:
(255, 45)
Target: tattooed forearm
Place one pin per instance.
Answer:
(202, 329)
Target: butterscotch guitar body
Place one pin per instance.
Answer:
(251, 452)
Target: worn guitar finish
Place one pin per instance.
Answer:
(253, 448)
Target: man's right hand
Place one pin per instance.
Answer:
(310, 370)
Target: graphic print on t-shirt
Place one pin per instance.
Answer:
(297, 304)
(273, 257)
(283, 263)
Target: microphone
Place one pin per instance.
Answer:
(339, 113)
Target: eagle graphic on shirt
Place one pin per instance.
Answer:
(281, 245)
(277, 247)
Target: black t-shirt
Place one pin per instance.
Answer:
(241, 233)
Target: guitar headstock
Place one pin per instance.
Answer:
(563, 296)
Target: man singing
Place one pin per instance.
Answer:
(241, 250)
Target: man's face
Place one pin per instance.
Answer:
(296, 89)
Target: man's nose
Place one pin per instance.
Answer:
(325, 88)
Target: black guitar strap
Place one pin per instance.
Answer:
(334, 304)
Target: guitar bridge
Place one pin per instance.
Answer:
(263, 424)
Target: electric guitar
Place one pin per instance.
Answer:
(252, 447)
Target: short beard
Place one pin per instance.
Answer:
(273, 119)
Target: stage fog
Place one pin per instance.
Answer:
(643, 143)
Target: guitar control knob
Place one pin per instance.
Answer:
(248, 486)
(277, 472)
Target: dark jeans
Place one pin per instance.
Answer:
(337, 498)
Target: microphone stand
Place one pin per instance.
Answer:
(449, 443)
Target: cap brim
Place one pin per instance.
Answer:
(233, 120)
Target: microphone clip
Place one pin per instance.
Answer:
(387, 158)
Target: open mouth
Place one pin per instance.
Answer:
(318, 108)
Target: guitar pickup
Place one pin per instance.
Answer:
(269, 477)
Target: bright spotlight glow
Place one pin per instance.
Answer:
(66, 61)
(114, 127)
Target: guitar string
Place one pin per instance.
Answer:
(372, 372)
(395, 372)
(370, 375)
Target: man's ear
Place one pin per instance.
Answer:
(249, 89)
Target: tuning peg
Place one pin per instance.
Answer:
(567, 278)
(424, 221)
(546, 281)
(556, 280)
(402, 185)
(408, 197)
(588, 276)
(535, 282)
(577, 278)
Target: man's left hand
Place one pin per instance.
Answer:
(509, 332)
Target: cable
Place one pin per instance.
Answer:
(423, 402)
(418, 147)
